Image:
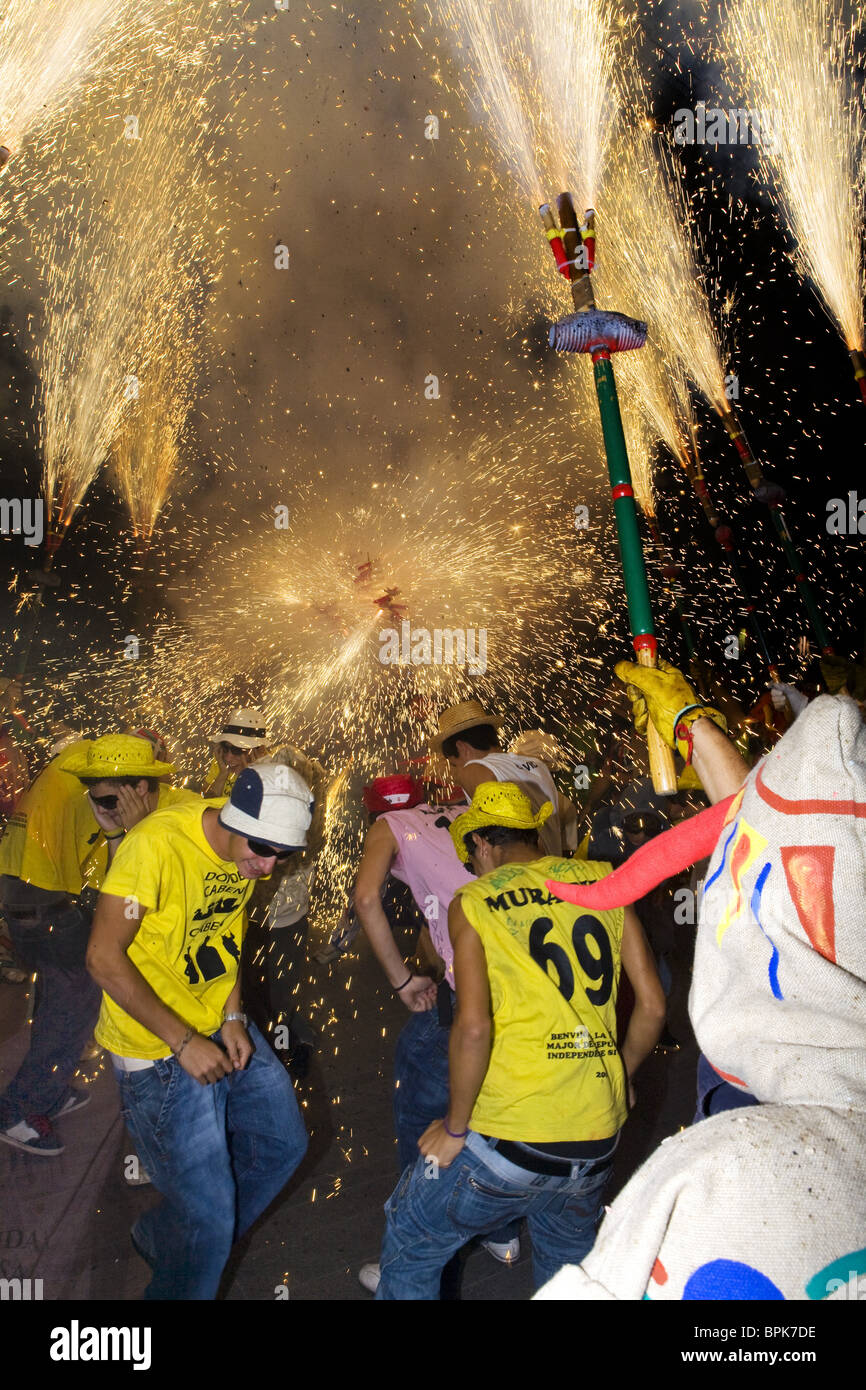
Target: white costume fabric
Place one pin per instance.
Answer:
(767, 1202)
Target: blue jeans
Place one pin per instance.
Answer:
(715, 1094)
(421, 1091)
(429, 1217)
(53, 942)
(218, 1154)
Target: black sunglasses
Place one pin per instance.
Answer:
(267, 851)
(231, 748)
(108, 803)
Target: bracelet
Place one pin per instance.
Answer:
(236, 1018)
(190, 1033)
(405, 983)
(451, 1131)
(118, 834)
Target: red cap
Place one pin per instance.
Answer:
(396, 793)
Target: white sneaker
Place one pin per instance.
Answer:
(507, 1253)
(369, 1276)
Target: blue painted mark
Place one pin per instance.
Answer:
(722, 1279)
(711, 880)
(773, 967)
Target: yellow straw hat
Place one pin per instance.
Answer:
(459, 717)
(118, 755)
(496, 803)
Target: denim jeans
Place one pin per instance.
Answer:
(53, 942)
(219, 1155)
(421, 1093)
(715, 1094)
(432, 1215)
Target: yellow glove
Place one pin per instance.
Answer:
(664, 695)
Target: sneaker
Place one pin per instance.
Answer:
(507, 1252)
(75, 1100)
(35, 1135)
(369, 1276)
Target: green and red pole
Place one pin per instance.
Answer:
(600, 334)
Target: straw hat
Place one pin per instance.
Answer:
(244, 728)
(497, 803)
(459, 717)
(118, 755)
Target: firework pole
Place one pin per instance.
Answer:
(772, 495)
(858, 362)
(600, 333)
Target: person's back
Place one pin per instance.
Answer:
(555, 1073)
(426, 862)
(535, 781)
(45, 840)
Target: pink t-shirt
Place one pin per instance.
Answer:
(427, 862)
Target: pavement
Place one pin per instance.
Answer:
(66, 1220)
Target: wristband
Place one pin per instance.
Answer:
(451, 1131)
(405, 983)
(236, 1018)
(116, 836)
(190, 1033)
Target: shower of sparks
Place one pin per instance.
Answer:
(575, 55)
(649, 262)
(492, 32)
(47, 49)
(299, 618)
(794, 64)
(124, 270)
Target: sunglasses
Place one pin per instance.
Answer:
(267, 851)
(231, 748)
(108, 803)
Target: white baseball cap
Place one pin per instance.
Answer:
(272, 803)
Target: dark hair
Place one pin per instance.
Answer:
(481, 737)
(501, 835)
(152, 782)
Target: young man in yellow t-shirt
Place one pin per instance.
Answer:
(538, 1086)
(210, 1107)
(53, 856)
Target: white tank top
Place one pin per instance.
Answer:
(534, 780)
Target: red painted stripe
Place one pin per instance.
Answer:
(622, 490)
(808, 807)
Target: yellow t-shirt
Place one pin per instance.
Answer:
(554, 973)
(52, 830)
(95, 865)
(214, 771)
(188, 945)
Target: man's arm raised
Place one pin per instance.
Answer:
(115, 924)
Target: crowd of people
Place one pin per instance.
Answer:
(171, 925)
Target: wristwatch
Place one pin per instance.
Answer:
(236, 1018)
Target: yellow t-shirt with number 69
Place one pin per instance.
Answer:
(555, 1074)
(188, 945)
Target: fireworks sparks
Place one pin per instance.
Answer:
(794, 62)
